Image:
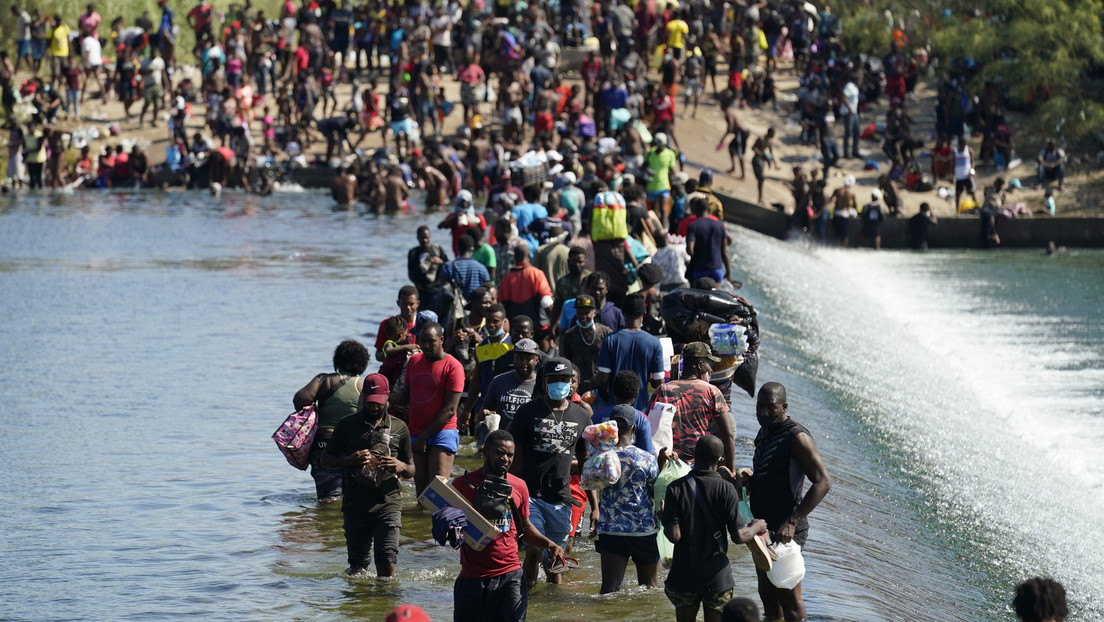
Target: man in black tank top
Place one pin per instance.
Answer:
(784, 456)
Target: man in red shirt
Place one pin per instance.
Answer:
(491, 585)
(201, 19)
(431, 388)
(524, 289)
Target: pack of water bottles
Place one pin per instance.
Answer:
(728, 339)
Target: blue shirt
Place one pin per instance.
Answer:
(636, 351)
(615, 97)
(642, 438)
(610, 315)
(628, 507)
(466, 271)
(525, 214)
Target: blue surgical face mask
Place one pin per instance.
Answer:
(559, 390)
(587, 325)
(497, 333)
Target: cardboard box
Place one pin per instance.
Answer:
(440, 493)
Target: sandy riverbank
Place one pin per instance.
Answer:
(697, 138)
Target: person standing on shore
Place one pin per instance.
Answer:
(372, 450)
(783, 448)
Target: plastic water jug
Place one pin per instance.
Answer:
(726, 338)
(789, 570)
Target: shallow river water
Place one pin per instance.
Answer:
(151, 343)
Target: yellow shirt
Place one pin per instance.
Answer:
(59, 41)
(676, 31)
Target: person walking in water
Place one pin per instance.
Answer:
(697, 512)
(1040, 600)
(372, 450)
(336, 396)
(784, 456)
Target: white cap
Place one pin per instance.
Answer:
(876, 194)
(660, 139)
(569, 177)
(848, 181)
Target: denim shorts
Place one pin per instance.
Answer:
(551, 519)
(655, 195)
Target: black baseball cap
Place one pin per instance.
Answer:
(623, 413)
(585, 301)
(558, 366)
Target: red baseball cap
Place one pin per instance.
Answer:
(408, 613)
(376, 388)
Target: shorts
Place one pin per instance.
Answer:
(448, 440)
(23, 48)
(738, 146)
(716, 275)
(642, 550)
(711, 600)
(694, 87)
(405, 126)
(551, 519)
(339, 44)
(655, 195)
(153, 94)
(964, 185)
(757, 167)
(512, 116)
(503, 597)
(382, 529)
(467, 94)
(710, 66)
(38, 49)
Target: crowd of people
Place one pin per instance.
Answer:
(585, 272)
(482, 345)
(266, 87)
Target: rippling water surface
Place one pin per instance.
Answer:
(149, 345)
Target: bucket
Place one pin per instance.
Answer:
(789, 569)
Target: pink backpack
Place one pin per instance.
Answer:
(295, 436)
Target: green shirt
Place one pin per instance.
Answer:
(486, 256)
(661, 162)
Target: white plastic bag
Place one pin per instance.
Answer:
(660, 418)
(789, 569)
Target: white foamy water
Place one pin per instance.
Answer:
(978, 377)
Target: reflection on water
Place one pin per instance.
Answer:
(152, 343)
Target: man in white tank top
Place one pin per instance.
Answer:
(964, 170)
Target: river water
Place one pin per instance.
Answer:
(151, 343)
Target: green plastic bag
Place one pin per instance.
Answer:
(671, 471)
(743, 509)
